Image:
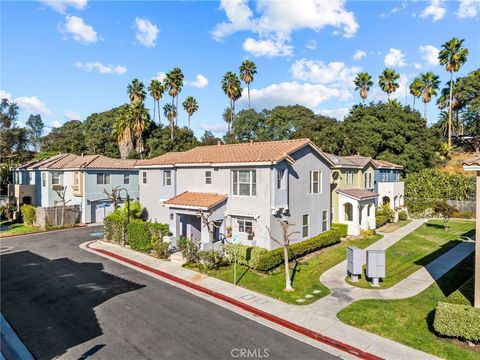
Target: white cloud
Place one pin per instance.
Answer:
(311, 44)
(359, 54)
(335, 73)
(102, 69)
(199, 82)
(31, 104)
(215, 128)
(160, 76)
(72, 115)
(5, 95)
(268, 47)
(395, 57)
(61, 5)
(80, 31)
(468, 8)
(239, 15)
(417, 66)
(54, 124)
(429, 54)
(436, 10)
(146, 33)
(338, 114)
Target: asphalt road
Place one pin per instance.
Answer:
(68, 303)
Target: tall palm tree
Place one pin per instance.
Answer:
(156, 92)
(443, 102)
(122, 131)
(247, 70)
(430, 85)
(228, 116)
(170, 111)
(416, 89)
(136, 91)
(362, 82)
(140, 121)
(231, 86)
(174, 83)
(190, 105)
(388, 81)
(453, 56)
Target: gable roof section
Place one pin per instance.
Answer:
(359, 194)
(382, 164)
(75, 162)
(358, 161)
(197, 200)
(252, 152)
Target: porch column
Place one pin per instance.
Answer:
(477, 245)
(356, 218)
(371, 219)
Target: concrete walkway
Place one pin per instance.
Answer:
(321, 315)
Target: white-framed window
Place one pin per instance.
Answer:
(245, 225)
(280, 179)
(208, 177)
(55, 178)
(103, 179)
(144, 177)
(126, 179)
(365, 181)
(315, 182)
(76, 178)
(397, 176)
(370, 180)
(305, 225)
(244, 182)
(324, 220)
(384, 174)
(349, 177)
(44, 179)
(30, 178)
(167, 178)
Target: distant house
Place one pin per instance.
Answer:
(389, 184)
(240, 186)
(84, 177)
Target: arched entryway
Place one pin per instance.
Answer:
(348, 212)
(386, 200)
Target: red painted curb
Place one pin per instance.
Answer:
(42, 232)
(251, 309)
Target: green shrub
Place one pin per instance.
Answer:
(342, 228)
(246, 255)
(189, 249)
(459, 321)
(114, 227)
(6, 211)
(161, 249)
(420, 207)
(380, 220)
(464, 294)
(462, 214)
(28, 214)
(387, 211)
(211, 259)
(139, 237)
(402, 215)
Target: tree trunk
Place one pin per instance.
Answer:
(414, 102)
(176, 112)
(450, 111)
(154, 108)
(288, 283)
(425, 112)
(159, 113)
(171, 130)
(63, 212)
(248, 89)
(188, 121)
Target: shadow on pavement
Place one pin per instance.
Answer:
(50, 303)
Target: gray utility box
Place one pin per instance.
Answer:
(354, 262)
(375, 265)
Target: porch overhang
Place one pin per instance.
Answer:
(358, 194)
(196, 201)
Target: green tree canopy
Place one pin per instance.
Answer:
(35, 128)
(159, 141)
(97, 128)
(68, 138)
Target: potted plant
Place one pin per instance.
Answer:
(228, 232)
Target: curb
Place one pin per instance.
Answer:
(251, 309)
(43, 232)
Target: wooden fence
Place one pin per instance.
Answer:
(53, 215)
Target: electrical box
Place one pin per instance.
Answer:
(354, 262)
(375, 265)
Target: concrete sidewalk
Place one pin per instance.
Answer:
(320, 316)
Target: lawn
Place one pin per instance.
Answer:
(391, 227)
(305, 274)
(409, 321)
(418, 248)
(15, 228)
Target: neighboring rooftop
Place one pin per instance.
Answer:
(358, 194)
(358, 161)
(196, 200)
(382, 164)
(71, 161)
(472, 162)
(251, 152)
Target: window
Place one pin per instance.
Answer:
(369, 180)
(126, 179)
(244, 182)
(144, 177)
(384, 174)
(245, 225)
(280, 176)
(30, 178)
(315, 182)
(55, 178)
(305, 225)
(167, 178)
(208, 177)
(103, 179)
(44, 180)
(348, 209)
(349, 177)
(397, 176)
(76, 178)
(324, 220)
(365, 185)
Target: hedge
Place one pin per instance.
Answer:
(143, 235)
(113, 227)
(342, 228)
(380, 220)
(246, 255)
(456, 320)
(462, 214)
(28, 214)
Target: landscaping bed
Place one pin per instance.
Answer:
(305, 272)
(391, 227)
(16, 228)
(419, 248)
(410, 321)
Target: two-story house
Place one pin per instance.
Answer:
(388, 183)
(245, 187)
(84, 179)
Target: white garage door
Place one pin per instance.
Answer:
(100, 210)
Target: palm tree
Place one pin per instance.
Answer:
(231, 86)
(174, 83)
(453, 56)
(190, 105)
(140, 121)
(228, 116)
(247, 70)
(136, 91)
(170, 111)
(430, 85)
(122, 131)
(388, 81)
(416, 89)
(156, 92)
(362, 82)
(443, 102)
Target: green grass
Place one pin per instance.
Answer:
(15, 228)
(391, 227)
(409, 321)
(305, 274)
(419, 248)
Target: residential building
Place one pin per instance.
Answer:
(245, 187)
(84, 178)
(388, 183)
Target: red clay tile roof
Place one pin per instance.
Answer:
(197, 200)
(472, 162)
(359, 194)
(71, 161)
(358, 161)
(268, 151)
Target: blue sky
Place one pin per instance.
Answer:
(68, 59)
